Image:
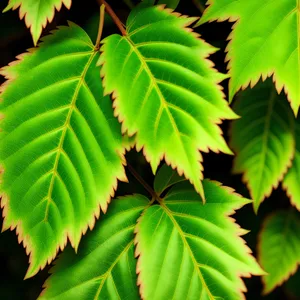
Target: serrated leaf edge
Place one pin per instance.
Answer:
(54, 266)
(258, 249)
(121, 118)
(4, 199)
(228, 59)
(245, 172)
(238, 233)
(23, 14)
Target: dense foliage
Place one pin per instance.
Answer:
(82, 112)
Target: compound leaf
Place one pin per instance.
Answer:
(263, 139)
(165, 90)
(253, 50)
(37, 13)
(188, 250)
(291, 181)
(105, 267)
(60, 146)
(279, 248)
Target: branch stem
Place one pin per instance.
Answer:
(142, 182)
(100, 29)
(114, 17)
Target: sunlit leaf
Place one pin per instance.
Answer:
(263, 139)
(60, 146)
(191, 250)
(104, 267)
(279, 247)
(37, 13)
(264, 41)
(165, 90)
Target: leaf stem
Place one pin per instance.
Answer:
(114, 17)
(142, 182)
(100, 29)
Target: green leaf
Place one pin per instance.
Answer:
(165, 178)
(166, 90)
(279, 247)
(254, 49)
(104, 267)
(60, 146)
(291, 180)
(180, 243)
(37, 13)
(263, 139)
(188, 250)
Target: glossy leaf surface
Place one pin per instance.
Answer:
(263, 139)
(104, 267)
(191, 250)
(279, 248)
(254, 49)
(166, 90)
(60, 146)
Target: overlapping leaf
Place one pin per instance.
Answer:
(165, 178)
(188, 250)
(279, 248)
(37, 13)
(165, 90)
(291, 180)
(263, 139)
(105, 267)
(60, 146)
(265, 40)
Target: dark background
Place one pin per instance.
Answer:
(15, 39)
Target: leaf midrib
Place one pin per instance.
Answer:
(108, 272)
(245, 67)
(264, 150)
(63, 135)
(164, 103)
(186, 244)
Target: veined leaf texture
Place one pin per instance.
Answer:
(264, 42)
(70, 111)
(60, 146)
(176, 255)
(165, 90)
(263, 139)
(105, 265)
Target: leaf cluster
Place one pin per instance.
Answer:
(71, 109)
